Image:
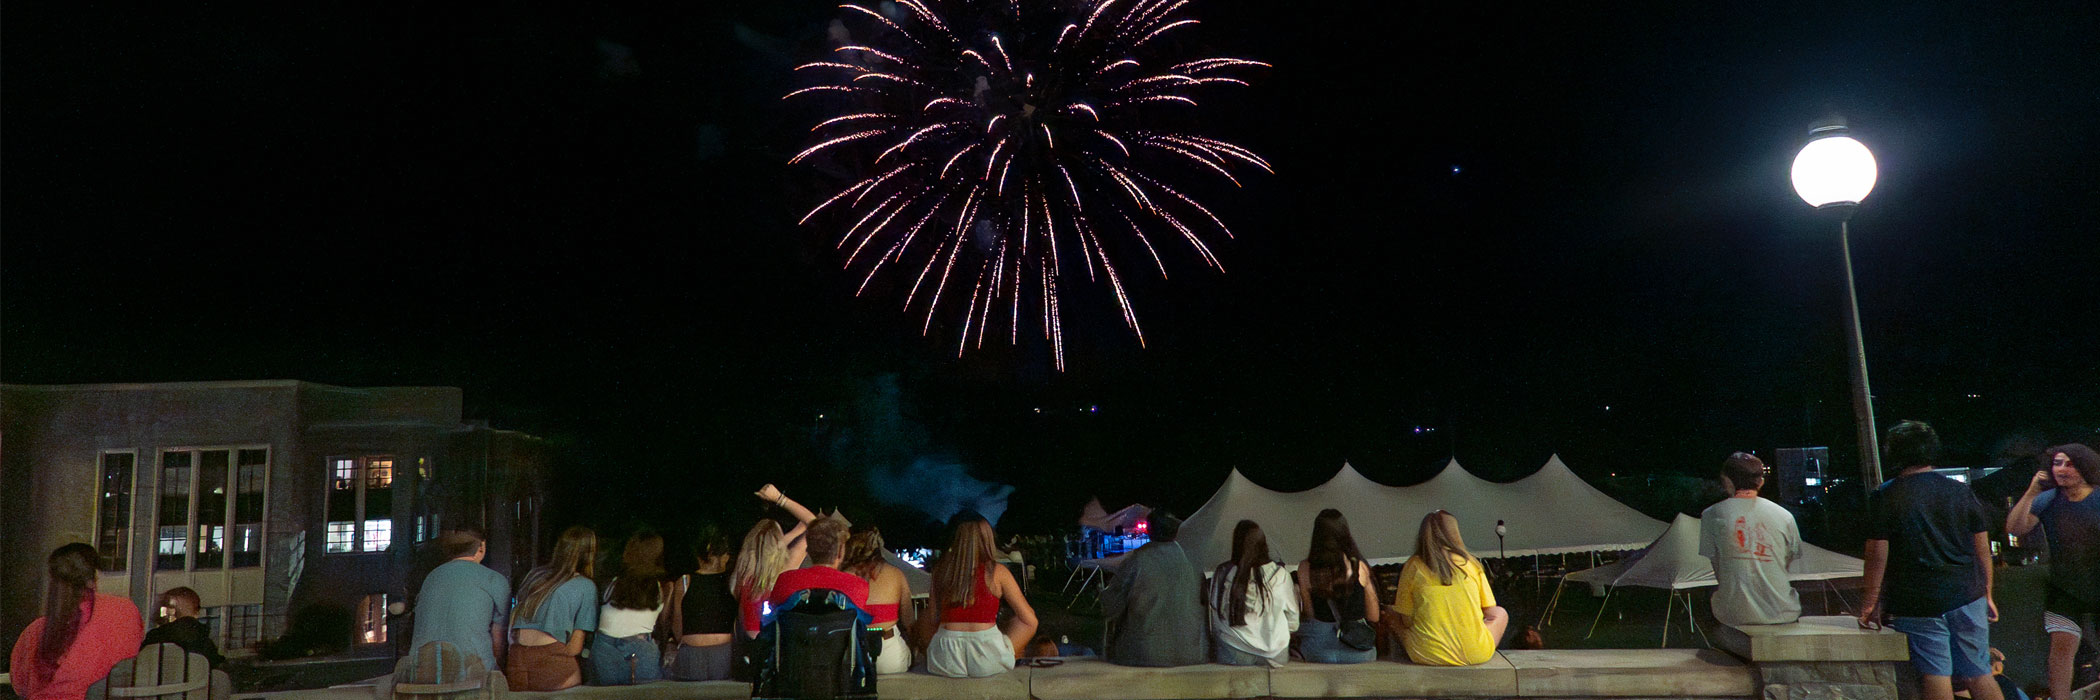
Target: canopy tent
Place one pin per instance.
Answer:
(1098, 518)
(1549, 512)
(1673, 563)
(921, 583)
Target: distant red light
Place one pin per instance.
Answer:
(1143, 526)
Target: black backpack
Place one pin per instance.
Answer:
(816, 645)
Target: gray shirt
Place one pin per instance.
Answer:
(1751, 541)
(458, 602)
(1156, 605)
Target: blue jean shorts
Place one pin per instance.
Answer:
(1955, 643)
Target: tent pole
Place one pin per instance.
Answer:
(1600, 611)
(1694, 623)
(1669, 601)
(1546, 620)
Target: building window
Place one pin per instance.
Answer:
(211, 503)
(379, 534)
(113, 516)
(371, 619)
(243, 626)
(172, 552)
(342, 536)
(360, 504)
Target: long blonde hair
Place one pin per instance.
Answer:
(762, 559)
(971, 553)
(1439, 547)
(574, 555)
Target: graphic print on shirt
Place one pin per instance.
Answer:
(1752, 542)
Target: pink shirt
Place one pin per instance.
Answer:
(110, 633)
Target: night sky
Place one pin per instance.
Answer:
(1491, 219)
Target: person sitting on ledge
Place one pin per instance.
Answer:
(1155, 603)
(889, 597)
(968, 585)
(1445, 605)
(1335, 589)
(1750, 540)
(827, 547)
(1253, 604)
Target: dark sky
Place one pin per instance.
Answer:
(584, 218)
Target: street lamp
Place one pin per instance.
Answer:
(1833, 173)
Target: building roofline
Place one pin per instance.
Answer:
(206, 385)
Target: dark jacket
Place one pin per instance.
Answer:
(190, 634)
(1155, 607)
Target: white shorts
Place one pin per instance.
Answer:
(895, 656)
(2054, 623)
(969, 654)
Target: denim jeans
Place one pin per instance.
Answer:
(625, 660)
(1317, 643)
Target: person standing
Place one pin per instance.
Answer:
(81, 635)
(463, 602)
(1928, 567)
(1751, 541)
(2060, 500)
(1155, 603)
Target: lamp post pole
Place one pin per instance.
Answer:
(1834, 172)
(1862, 397)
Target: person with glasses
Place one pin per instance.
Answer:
(1750, 541)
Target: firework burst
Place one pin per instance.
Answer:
(998, 140)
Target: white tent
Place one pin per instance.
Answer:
(1096, 517)
(1673, 563)
(1549, 512)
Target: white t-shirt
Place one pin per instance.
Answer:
(1270, 619)
(1751, 541)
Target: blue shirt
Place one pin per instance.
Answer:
(2072, 529)
(572, 606)
(459, 600)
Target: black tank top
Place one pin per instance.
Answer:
(709, 607)
(1350, 604)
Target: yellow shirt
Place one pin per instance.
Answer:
(1445, 621)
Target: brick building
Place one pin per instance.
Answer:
(268, 498)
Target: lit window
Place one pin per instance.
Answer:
(113, 532)
(1812, 481)
(371, 619)
(345, 474)
(379, 474)
(379, 534)
(342, 536)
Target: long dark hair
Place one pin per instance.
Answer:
(72, 579)
(640, 585)
(1250, 550)
(1333, 554)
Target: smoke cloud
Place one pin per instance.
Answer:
(893, 454)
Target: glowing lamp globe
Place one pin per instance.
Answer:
(1834, 169)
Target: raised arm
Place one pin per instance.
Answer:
(2021, 520)
(771, 494)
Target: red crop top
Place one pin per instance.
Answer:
(884, 613)
(985, 609)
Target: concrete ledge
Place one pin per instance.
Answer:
(1630, 673)
(664, 690)
(1086, 679)
(1495, 678)
(1012, 685)
(1818, 638)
